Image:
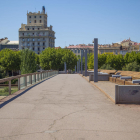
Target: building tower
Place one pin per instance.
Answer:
(36, 35)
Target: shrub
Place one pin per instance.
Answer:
(106, 67)
(6, 89)
(131, 67)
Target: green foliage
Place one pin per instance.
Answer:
(9, 59)
(91, 62)
(14, 81)
(6, 89)
(101, 59)
(52, 58)
(106, 67)
(115, 61)
(132, 67)
(28, 61)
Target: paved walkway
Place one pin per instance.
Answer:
(67, 107)
(107, 87)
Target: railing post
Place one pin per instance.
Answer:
(31, 79)
(10, 87)
(18, 83)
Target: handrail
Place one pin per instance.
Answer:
(45, 75)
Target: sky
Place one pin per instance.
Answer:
(76, 21)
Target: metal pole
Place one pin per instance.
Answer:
(81, 61)
(95, 59)
(86, 62)
(65, 67)
(77, 66)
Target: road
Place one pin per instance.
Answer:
(67, 107)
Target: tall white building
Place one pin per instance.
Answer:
(36, 35)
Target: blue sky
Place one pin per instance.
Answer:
(76, 21)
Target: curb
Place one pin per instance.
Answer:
(98, 88)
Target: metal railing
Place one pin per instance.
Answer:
(29, 79)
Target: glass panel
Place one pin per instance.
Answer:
(28, 80)
(36, 77)
(22, 82)
(33, 79)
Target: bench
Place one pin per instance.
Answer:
(116, 76)
(136, 81)
(126, 77)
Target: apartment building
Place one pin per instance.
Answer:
(77, 49)
(36, 35)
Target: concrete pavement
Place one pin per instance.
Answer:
(67, 107)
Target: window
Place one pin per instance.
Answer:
(22, 39)
(38, 52)
(23, 34)
(28, 29)
(78, 51)
(35, 21)
(38, 39)
(38, 28)
(33, 44)
(29, 16)
(33, 28)
(23, 48)
(33, 34)
(40, 21)
(43, 38)
(28, 39)
(38, 49)
(38, 43)
(75, 51)
(40, 16)
(33, 39)
(34, 16)
(29, 21)
(43, 48)
(116, 52)
(28, 44)
(33, 48)
(43, 44)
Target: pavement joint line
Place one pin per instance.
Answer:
(98, 88)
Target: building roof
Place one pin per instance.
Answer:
(13, 43)
(79, 46)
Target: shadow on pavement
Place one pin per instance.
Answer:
(16, 96)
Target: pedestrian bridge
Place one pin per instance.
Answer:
(66, 107)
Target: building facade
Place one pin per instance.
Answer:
(36, 35)
(79, 49)
(5, 43)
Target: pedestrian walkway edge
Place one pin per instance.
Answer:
(98, 88)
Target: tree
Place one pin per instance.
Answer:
(28, 61)
(52, 58)
(106, 67)
(10, 60)
(132, 67)
(101, 59)
(115, 61)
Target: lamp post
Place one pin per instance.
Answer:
(95, 59)
(86, 62)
